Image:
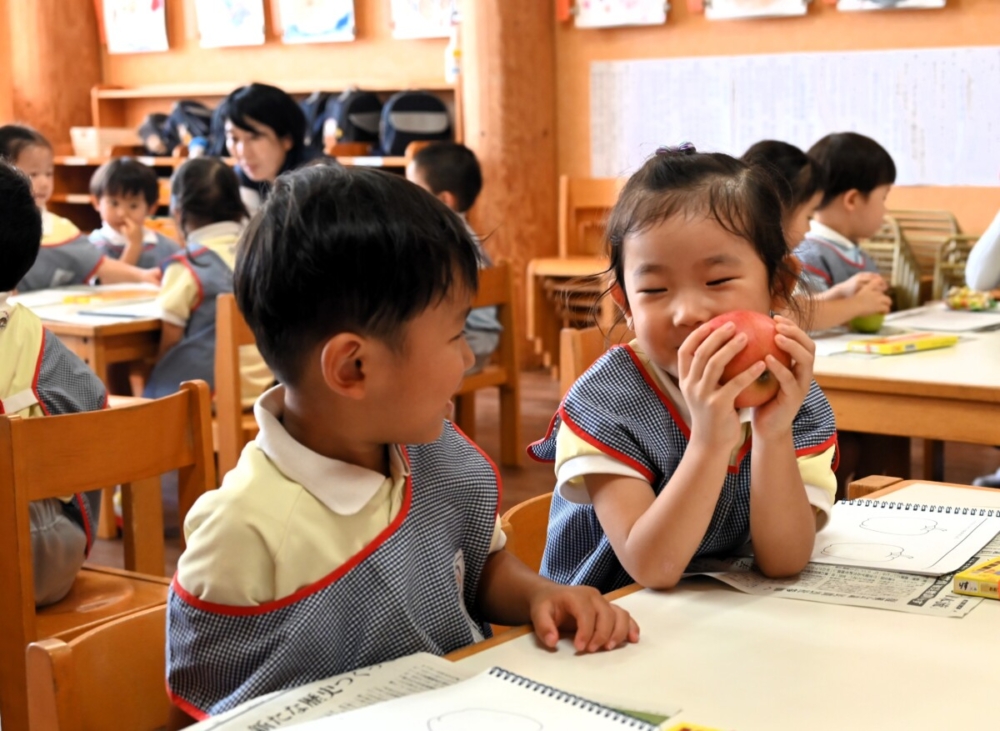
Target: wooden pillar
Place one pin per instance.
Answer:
(509, 110)
(6, 80)
(55, 59)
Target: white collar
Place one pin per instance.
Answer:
(48, 222)
(822, 231)
(342, 487)
(672, 390)
(115, 238)
(214, 230)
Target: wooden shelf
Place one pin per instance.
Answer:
(71, 198)
(369, 161)
(75, 161)
(184, 91)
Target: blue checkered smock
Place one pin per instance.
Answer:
(413, 589)
(617, 407)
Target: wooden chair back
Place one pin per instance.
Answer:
(949, 268)
(584, 205)
(496, 289)
(579, 349)
(896, 263)
(526, 526)
(926, 232)
(233, 427)
(109, 678)
(54, 456)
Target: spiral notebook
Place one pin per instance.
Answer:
(930, 540)
(496, 700)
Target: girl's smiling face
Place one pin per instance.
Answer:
(36, 162)
(680, 273)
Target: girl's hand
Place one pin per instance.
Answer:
(597, 624)
(700, 362)
(774, 419)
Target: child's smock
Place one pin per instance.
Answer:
(156, 248)
(301, 567)
(192, 280)
(828, 258)
(65, 257)
(619, 419)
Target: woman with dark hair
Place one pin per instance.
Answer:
(265, 132)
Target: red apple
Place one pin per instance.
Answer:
(760, 331)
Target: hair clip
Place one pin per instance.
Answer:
(685, 148)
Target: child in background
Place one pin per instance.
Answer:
(39, 377)
(331, 545)
(801, 187)
(125, 192)
(654, 464)
(451, 172)
(859, 174)
(205, 203)
(66, 256)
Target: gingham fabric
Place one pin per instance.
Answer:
(153, 253)
(415, 592)
(194, 356)
(623, 413)
(825, 265)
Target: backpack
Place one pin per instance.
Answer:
(314, 108)
(409, 116)
(217, 131)
(187, 119)
(353, 116)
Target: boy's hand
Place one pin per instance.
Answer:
(133, 233)
(598, 624)
(859, 281)
(151, 275)
(871, 299)
(775, 417)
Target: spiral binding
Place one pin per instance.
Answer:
(920, 508)
(573, 700)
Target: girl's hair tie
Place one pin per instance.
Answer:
(685, 148)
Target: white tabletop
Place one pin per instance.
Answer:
(734, 661)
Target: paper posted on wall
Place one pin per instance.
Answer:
(849, 585)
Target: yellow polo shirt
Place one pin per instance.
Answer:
(285, 517)
(575, 458)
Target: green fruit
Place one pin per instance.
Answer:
(867, 323)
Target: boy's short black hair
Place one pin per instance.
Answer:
(852, 162)
(125, 176)
(338, 249)
(20, 226)
(451, 167)
(797, 176)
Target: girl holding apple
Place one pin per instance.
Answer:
(652, 451)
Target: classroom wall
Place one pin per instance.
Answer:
(373, 55)
(961, 23)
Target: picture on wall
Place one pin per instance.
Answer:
(735, 9)
(135, 26)
(888, 4)
(224, 23)
(612, 13)
(421, 18)
(316, 21)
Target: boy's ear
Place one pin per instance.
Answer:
(449, 199)
(95, 202)
(342, 361)
(853, 198)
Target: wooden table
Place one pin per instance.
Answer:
(543, 322)
(734, 661)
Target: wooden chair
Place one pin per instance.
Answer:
(949, 267)
(526, 525)
(109, 678)
(233, 427)
(58, 455)
(496, 288)
(896, 263)
(569, 288)
(926, 232)
(578, 349)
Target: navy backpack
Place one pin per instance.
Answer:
(355, 116)
(409, 116)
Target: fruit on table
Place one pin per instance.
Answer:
(867, 323)
(963, 298)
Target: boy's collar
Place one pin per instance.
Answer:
(342, 487)
(822, 231)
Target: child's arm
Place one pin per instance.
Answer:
(510, 593)
(829, 311)
(112, 271)
(655, 536)
(133, 242)
(782, 522)
(170, 335)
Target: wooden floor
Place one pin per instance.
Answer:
(540, 396)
